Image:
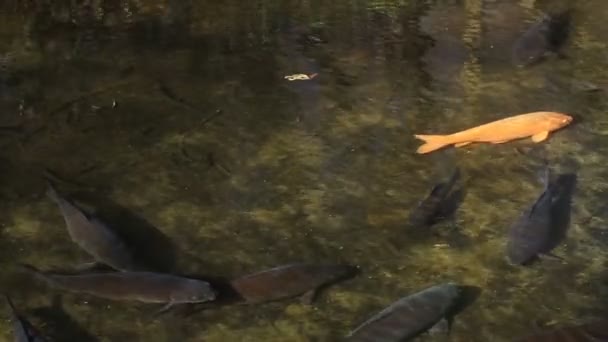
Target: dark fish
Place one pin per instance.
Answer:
(590, 332)
(433, 207)
(289, 281)
(23, 331)
(146, 287)
(545, 37)
(561, 83)
(530, 235)
(93, 235)
(409, 316)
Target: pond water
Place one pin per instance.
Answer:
(177, 114)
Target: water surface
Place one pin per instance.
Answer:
(174, 118)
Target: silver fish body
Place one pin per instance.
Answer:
(93, 235)
(409, 316)
(146, 287)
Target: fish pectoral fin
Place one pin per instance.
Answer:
(538, 137)
(553, 257)
(436, 190)
(164, 309)
(461, 144)
(499, 141)
(308, 297)
(441, 327)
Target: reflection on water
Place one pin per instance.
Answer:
(175, 118)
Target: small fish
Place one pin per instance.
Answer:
(93, 235)
(23, 330)
(537, 125)
(544, 38)
(289, 281)
(562, 83)
(146, 287)
(589, 332)
(529, 236)
(409, 316)
(433, 206)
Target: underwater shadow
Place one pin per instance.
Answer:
(561, 209)
(151, 248)
(60, 326)
(468, 295)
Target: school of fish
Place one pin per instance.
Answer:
(531, 236)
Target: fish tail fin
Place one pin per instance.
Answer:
(432, 142)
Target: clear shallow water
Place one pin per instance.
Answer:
(130, 101)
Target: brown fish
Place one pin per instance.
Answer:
(537, 125)
(93, 235)
(588, 332)
(289, 281)
(146, 287)
(410, 316)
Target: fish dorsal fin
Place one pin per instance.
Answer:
(443, 188)
(544, 24)
(547, 176)
(535, 205)
(547, 190)
(436, 190)
(454, 177)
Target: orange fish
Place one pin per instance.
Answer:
(537, 125)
